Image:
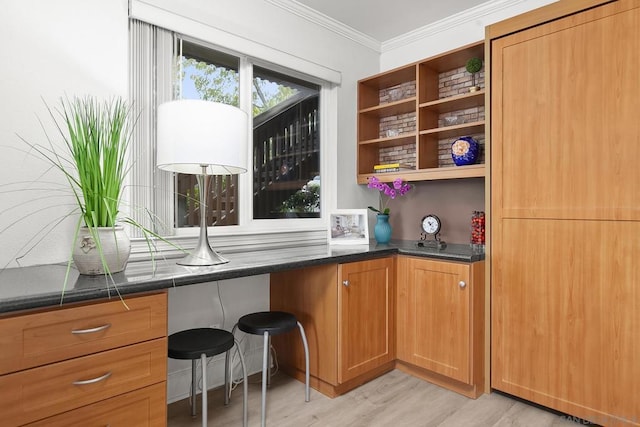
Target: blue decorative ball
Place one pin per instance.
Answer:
(464, 151)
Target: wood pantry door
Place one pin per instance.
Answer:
(565, 204)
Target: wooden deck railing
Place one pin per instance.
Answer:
(286, 150)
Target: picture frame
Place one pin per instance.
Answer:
(348, 227)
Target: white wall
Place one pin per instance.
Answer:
(51, 49)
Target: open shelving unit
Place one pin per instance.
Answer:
(400, 111)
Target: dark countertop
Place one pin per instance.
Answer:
(41, 286)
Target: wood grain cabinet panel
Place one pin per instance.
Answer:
(87, 364)
(440, 322)
(350, 329)
(34, 339)
(312, 295)
(366, 303)
(418, 87)
(43, 391)
(140, 408)
(565, 215)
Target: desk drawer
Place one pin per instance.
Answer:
(41, 392)
(141, 408)
(35, 339)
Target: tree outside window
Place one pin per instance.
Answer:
(286, 142)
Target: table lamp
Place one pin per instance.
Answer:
(202, 138)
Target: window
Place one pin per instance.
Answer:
(286, 139)
(286, 162)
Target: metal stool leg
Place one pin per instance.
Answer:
(269, 365)
(227, 370)
(306, 361)
(227, 377)
(245, 389)
(194, 387)
(203, 359)
(265, 361)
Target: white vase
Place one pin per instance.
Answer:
(116, 248)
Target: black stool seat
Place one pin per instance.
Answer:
(273, 322)
(192, 343)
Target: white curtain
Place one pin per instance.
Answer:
(151, 62)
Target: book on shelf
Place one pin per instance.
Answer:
(396, 169)
(391, 167)
(386, 166)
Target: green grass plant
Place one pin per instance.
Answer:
(97, 141)
(93, 158)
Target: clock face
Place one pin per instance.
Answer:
(431, 224)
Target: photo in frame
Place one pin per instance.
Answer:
(348, 227)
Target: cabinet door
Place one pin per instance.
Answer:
(564, 213)
(434, 316)
(366, 324)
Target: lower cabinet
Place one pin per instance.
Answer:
(440, 322)
(348, 314)
(98, 363)
(422, 316)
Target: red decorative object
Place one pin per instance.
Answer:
(477, 228)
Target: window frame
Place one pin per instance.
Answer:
(261, 233)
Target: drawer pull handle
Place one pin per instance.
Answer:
(346, 282)
(93, 380)
(91, 330)
(462, 284)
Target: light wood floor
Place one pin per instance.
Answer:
(393, 400)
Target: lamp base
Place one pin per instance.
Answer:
(203, 255)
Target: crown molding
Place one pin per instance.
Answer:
(448, 23)
(327, 22)
(348, 32)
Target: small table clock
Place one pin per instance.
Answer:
(431, 226)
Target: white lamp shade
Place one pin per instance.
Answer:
(195, 133)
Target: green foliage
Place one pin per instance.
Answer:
(220, 84)
(306, 199)
(97, 143)
(474, 65)
(213, 83)
(263, 102)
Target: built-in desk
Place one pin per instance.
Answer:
(87, 348)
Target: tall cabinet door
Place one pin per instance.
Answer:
(565, 212)
(366, 306)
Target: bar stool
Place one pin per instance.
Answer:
(200, 343)
(268, 323)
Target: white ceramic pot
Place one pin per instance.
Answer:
(116, 248)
